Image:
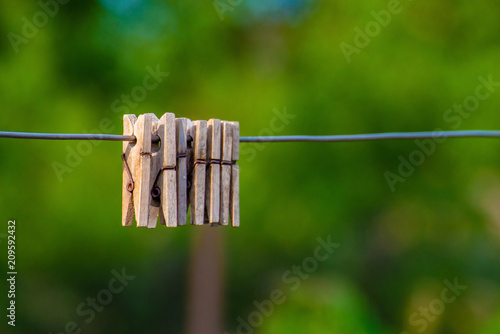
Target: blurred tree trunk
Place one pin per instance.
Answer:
(205, 287)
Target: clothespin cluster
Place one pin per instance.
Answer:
(176, 164)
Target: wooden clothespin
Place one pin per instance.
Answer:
(137, 160)
(235, 177)
(213, 171)
(198, 132)
(164, 189)
(227, 156)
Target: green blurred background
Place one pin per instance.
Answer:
(263, 57)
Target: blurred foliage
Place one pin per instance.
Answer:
(265, 56)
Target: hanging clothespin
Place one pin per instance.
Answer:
(213, 171)
(198, 132)
(227, 157)
(137, 160)
(164, 186)
(235, 177)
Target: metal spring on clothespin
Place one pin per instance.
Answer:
(192, 166)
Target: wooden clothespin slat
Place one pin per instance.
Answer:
(227, 155)
(235, 177)
(182, 203)
(142, 168)
(197, 191)
(156, 160)
(213, 171)
(167, 180)
(128, 181)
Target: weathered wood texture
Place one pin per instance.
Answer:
(127, 192)
(168, 181)
(142, 170)
(197, 192)
(213, 171)
(235, 177)
(156, 163)
(182, 151)
(227, 155)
